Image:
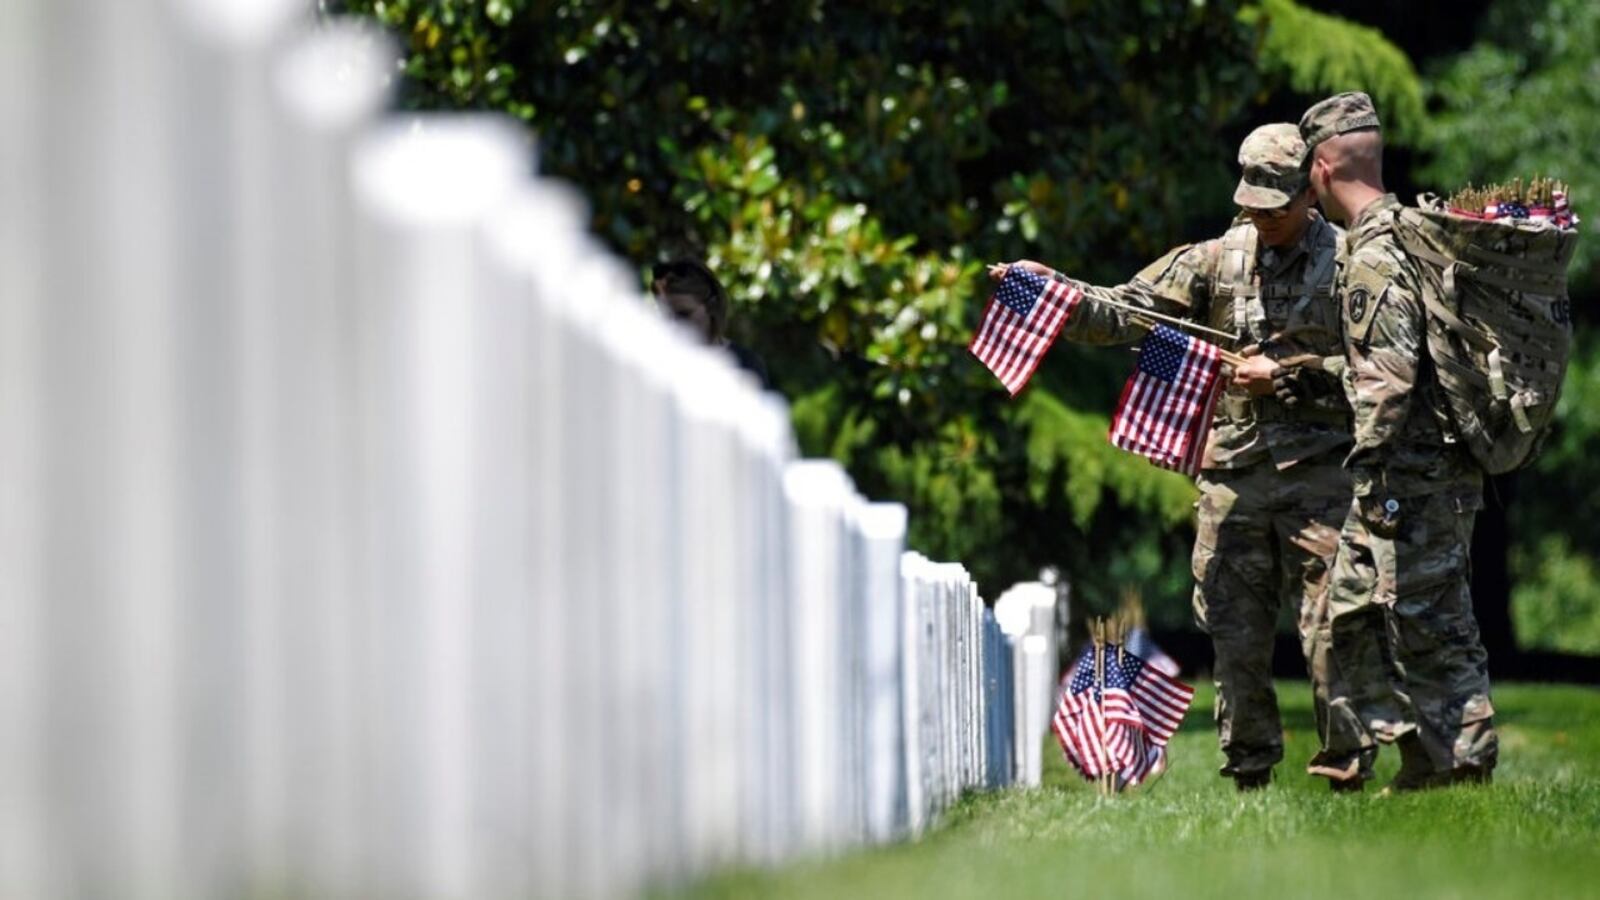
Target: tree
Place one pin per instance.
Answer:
(848, 169)
(1521, 102)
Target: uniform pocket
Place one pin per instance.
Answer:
(1433, 542)
(1203, 564)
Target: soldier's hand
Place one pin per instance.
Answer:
(998, 272)
(1255, 375)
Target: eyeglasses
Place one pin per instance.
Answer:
(1268, 214)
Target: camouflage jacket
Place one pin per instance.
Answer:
(1400, 443)
(1234, 285)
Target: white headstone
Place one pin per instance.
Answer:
(329, 84)
(422, 185)
(883, 528)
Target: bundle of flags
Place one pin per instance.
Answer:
(1165, 410)
(1557, 213)
(1537, 200)
(1116, 715)
(1166, 406)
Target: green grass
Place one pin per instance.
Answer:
(1535, 831)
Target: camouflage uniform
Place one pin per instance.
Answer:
(1403, 560)
(1272, 488)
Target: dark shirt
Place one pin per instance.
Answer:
(750, 362)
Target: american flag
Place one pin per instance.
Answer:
(1165, 410)
(1562, 213)
(1510, 209)
(1558, 213)
(1139, 642)
(1123, 725)
(1020, 323)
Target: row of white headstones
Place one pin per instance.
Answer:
(364, 533)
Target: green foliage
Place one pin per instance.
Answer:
(848, 169)
(1081, 481)
(1191, 835)
(1556, 603)
(1522, 102)
(1317, 54)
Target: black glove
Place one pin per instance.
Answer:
(1295, 385)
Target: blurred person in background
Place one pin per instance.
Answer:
(688, 293)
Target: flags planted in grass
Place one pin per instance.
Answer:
(1020, 323)
(1117, 717)
(1165, 410)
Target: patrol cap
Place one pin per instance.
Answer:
(1271, 158)
(1339, 114)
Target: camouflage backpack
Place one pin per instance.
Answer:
(1499, 324)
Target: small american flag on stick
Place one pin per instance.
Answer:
(1020, 323)
(1165, 410)
(1118, 717)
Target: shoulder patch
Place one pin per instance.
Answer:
(1356, 301)
(1367, 274)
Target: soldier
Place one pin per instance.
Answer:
(1402, 564)
(1272, 489)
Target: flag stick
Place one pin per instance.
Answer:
(1162, 317)
(1228, 356)
(1100, 697)
(1171, 320)
(1107, 781)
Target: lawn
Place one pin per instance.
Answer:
(1535, 831)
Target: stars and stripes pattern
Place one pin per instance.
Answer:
(1510, 209)
(1561, 212)
(1558, 213)
(1020, 323)
(1122, 724)
(1140, 644)
(1165, 410)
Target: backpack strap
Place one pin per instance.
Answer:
(1555, 267)
(1238, 279)
(1318, 282)
(1439, 305)
(1555, 283)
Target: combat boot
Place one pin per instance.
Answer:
(1349, 778)
(1349, 771)
(1347, 785)
(1416, 768)
(1252, 781)
(1472, 775)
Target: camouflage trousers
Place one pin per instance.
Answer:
(1265, 539)
(1403, 571)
